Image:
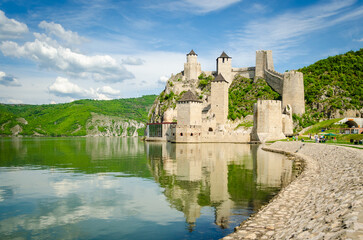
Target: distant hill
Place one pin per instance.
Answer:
(121, 117)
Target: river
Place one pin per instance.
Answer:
(123, 188)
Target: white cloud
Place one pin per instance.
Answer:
(100, 67)
(359, 40)
(62, 87)
(8, 80)
(57, 30)
(205, 6)
(10, 28)
(14, 101)
(133, 61)
(108, 90)
(163, 80)
(195, 6)
(286, 31)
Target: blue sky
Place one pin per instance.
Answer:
(59, 51)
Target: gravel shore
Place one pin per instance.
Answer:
(324, 202)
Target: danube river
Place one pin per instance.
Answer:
(123, 188)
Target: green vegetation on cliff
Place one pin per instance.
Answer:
(69, 119)
(332, 86)
(335, 83)
(243, 93)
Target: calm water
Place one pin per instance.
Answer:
(122, 188)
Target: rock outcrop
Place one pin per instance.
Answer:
(102, 125)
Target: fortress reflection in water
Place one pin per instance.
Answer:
(226, 177)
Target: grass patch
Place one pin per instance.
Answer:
(328, 124)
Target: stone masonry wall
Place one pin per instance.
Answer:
(219, 101)
(293, 91)
(324, 202)
(267, 121)
(275, 80)
(189, 113)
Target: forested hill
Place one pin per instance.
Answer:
(79, 118)
(335, 85)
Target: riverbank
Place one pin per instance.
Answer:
(324, 202)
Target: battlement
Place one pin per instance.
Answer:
(270, 102)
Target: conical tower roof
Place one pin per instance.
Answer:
(224, 55)
(192, 53)
(219, 78)
(189, 97)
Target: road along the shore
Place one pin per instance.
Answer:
(324, 202)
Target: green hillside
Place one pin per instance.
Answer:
(336, 82)
(69, 119)
(243, 93)
(332, 86)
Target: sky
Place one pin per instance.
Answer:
(63, 50)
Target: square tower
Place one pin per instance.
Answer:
(189, 110)
(224, 67)
(219, 99)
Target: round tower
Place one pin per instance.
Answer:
(192, 68)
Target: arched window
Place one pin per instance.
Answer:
(210, 129)
(181, 134)
(191, 134)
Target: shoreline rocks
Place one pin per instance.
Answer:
(324, 202)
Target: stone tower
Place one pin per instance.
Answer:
(293, 91)
(219, 99)
(189, 110)
(192, 68)
(263, 61)
(224, 67)
(267, 121)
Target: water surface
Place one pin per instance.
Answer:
(122, 188)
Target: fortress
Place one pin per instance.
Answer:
(205, 120)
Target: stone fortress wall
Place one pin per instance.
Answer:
(205, 120)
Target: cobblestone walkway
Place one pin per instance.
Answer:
(324, 202)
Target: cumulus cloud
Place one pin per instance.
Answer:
(163, 79)
(10, 28)
(57, 30)
(108, 91)
(8, 80)
(99, 67)
(62, 87)
(133, 61)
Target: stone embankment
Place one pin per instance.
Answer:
(324, 202)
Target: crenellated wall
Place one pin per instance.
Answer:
(247, 72)
(275, 80)
(290, 85)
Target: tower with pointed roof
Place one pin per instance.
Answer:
(189, 110)
(192, 68)
(219, 99)
(224, 67)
